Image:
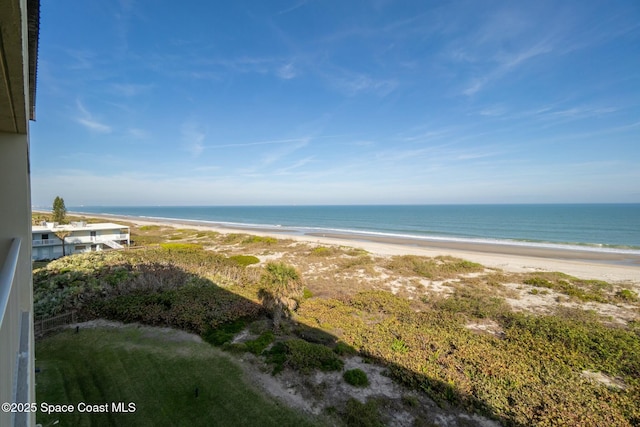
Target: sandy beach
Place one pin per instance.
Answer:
(585, 264)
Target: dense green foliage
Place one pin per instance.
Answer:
(303, 356)
(75, 282)
(195, 308)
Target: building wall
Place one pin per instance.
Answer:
(16, 89)
(15, 215)
(78, 241)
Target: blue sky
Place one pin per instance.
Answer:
(337, 102)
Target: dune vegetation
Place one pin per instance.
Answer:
(519, 349)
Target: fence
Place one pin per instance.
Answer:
(43, 325)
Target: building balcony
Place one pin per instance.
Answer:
(15, 338)
(43, 242)
(75, 240)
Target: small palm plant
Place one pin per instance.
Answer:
(62, 234)
(281, 288)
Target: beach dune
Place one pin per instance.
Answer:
(617, 267)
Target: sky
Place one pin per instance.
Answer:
(152, 102)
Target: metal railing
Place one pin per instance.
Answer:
(15, 337)
(46, 324)
(40, 242)
(71, 240)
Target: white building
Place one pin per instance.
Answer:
(80, 237)
(19, 22)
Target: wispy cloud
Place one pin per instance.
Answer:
(283, 151)
(193, 137)
(506, 62)
(298, 164)
(295, 6)
(80, 59)
(249, 144)
(138, 133)
(356, 84)
(129, 90)
(493, 111)
(86, 119)
(582, 112)
(287, 72)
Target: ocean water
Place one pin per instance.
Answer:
(593, 227)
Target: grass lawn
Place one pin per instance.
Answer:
(154, 370)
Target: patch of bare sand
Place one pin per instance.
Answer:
(317, 392)
(488, 326)
(604, 380)
(265, 258)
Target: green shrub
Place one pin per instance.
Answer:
(627, 295)
(244, 260)
(306, 293)
(181, 247)
(258, 345)
(440, 267)
(306, 357)
(322, 251)
(380, 302)
(344, 349)
(474, 304)
(356, 377)
(260, 239)
(409, 400)
(354, 251)
(277, 356)
(358, 414)
(224, 333)
(149, 228)
(584, 290)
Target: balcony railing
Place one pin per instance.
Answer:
(42, 242)
(15, 335)
(71, 240)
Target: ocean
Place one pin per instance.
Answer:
(592, 227)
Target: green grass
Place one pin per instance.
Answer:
(158, 373)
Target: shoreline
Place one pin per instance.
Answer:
(585, 264)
